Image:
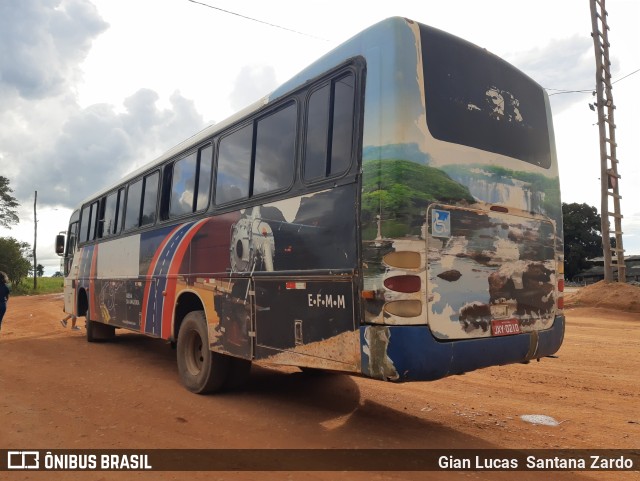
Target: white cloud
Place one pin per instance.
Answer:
(562, 64)
(88, 93)
(252, 83)
(42, 43)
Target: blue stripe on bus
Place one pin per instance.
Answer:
(417, 356)
(155, 304)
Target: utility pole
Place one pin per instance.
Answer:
(35, 238)
(609, 177)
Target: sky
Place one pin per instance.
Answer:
(93, 89)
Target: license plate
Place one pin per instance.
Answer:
(505, 327)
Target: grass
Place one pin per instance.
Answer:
(46, 285)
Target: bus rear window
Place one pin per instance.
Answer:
(476, 99)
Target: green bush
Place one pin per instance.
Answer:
(46, 285)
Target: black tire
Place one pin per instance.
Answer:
(239, 370)
(201, 370)
(98, 332)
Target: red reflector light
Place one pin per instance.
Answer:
(561, 285)
(296, 285)
(403, 283)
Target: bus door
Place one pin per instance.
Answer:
(70, 269)
(69, 291)
(307, 322)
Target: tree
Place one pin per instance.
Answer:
(14, 259)
(582, 237)
(8, 205)
(40, 270)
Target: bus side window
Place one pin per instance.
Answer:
(89, 222)
(329, 139)
(234, 165)
(183, 185)
(134, 196)
(110, 216)
(275, 150)
(342, 137)
(205, 168)
(119, 211)
(142, 197)
(190, 183)
(315, 161)
(71, 247)
(150, 200)
(84, 224)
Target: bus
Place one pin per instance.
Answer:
(392, 211)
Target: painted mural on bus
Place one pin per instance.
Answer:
(392, 211)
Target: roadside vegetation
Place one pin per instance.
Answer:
(46, 285)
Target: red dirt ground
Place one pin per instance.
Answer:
(59, 392)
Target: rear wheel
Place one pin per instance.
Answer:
(201, 370)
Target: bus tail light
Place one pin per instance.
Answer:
(409, 308)
(561, 294)
(402, 259)
(405, 283)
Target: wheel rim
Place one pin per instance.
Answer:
(195, 354)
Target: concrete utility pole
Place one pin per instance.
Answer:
(609, 177)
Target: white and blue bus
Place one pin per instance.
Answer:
(392, 211)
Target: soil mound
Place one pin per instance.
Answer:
(610, 295)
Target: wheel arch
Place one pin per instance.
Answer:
(186, 302)
(82, 303)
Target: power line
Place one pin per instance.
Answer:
(560, 91)
(259, 21)
(566, 91)
(628, 75)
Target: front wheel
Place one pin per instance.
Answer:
(97, 332)
(201, 370)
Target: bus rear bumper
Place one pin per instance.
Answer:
(411, 353)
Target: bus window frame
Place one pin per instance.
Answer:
(166, 184)
(356, 67)
(93, 219)
(299, 96)
(291, 100)
(119, 192)
(252, 121)
(160, 188)
(219, 138)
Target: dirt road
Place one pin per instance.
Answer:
(58, 391)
